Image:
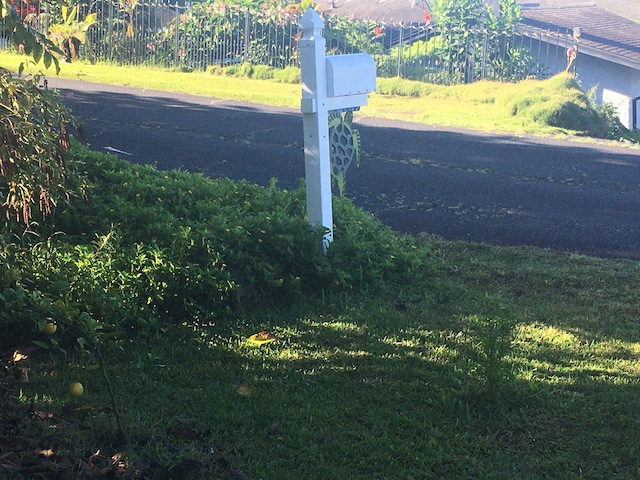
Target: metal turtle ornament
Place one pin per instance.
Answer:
(344, 143)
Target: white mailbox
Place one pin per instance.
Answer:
(350, 74)
(329, 83)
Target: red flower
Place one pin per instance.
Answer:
(427, 16)
(378, 31)
(570, 53)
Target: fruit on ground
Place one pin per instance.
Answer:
(76, 389)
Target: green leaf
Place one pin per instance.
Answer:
(37, 52)
(356, 145)
(40, 344)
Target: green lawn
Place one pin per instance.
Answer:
(355, 388)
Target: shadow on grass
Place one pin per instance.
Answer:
(385, 394)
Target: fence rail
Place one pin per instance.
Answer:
(199, 35)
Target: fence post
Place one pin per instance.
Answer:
(247, 31)
(400, 39)
(176, 57)
(46, 20)
(110, 31)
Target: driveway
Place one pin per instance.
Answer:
(461, 185)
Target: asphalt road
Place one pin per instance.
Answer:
(498, 189)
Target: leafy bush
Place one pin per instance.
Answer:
(242, 238)
(404, 88)
(152, 248)
(287, 75)
(258, 72)
(34, 143)
(200, 223)
(475, 43)
(575, 115)
(31, 42)
(71, 32)
(615, 129)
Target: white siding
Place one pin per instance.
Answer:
(615, 84)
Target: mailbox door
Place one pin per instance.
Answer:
(350, 74)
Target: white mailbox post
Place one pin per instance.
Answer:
(338, 82)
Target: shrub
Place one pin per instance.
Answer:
(287, 75)
(35, 173)
(578, 116)
(615, 129)
(258, 235)
(263, 72)
(258, 72)
(154, 248)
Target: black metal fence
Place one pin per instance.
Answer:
(199, 35)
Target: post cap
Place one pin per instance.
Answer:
(311, 21)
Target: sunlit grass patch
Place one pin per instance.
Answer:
(550, 107)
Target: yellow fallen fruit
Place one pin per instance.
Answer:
(50, 328)
(76, 389)
(261, 338)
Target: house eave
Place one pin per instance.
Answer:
(609, 56)
(583, 48)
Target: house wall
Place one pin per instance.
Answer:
(615, 84)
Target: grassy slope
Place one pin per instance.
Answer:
(357, 388)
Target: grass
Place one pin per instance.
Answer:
(488, 363)
(483, 106)
(355, 387)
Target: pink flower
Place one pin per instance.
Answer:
(427, 17)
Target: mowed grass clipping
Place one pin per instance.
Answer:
(529, 107)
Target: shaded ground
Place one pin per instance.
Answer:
(460, 185)
(25, 453)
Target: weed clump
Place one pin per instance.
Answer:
(557, 102)
(257, 72)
